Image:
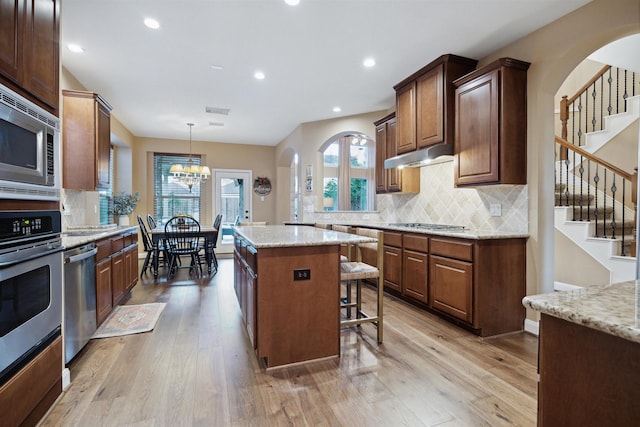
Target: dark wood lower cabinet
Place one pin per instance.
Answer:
(415, 275)
(104, 300)
(392, 268)
(451, 283)
(582, 382)
(29, 394)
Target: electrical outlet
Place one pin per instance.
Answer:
(495, 209)
(302, 274)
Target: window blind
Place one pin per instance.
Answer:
(172, 197)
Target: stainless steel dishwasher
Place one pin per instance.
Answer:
(79, 298)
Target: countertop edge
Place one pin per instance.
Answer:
(69, 242)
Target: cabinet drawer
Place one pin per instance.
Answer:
(104, 248)
(117, 244)
(393, 239)
(130, 239)
(452, 248)
(415, 242)
(251, 258)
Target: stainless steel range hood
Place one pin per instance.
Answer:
(422, 157)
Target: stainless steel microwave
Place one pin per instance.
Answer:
(29, 141)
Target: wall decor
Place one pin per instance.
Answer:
(262, 186)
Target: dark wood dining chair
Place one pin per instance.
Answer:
(148, 247)
(151, 221)
(182, 239)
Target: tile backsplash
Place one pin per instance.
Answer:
(439, 202)
(80, 208)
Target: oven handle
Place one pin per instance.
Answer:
(80, 257)
(13, 261)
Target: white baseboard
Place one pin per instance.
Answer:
(66, 378)
(531, 326)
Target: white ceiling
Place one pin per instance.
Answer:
(312, 54)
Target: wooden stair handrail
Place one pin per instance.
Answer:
(584, 153)
(565, 102)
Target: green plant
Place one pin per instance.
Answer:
(124, 203)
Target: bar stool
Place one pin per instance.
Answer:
(356, 271)
(345, 256)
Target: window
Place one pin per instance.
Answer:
(171, 197)
(348, 174)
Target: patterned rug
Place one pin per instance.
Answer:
(130, 319)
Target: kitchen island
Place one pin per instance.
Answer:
(589, 356)
(287, 283)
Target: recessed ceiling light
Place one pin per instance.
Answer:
(151, 23)
(292, 2)
(75, 48)
(216, 67)
(337, 109)
(259, 75)
(369, 62)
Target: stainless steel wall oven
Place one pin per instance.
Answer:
(30, 286)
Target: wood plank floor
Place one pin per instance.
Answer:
(197, 369)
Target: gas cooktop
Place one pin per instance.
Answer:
(425, 226)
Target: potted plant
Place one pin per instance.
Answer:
(123, 206)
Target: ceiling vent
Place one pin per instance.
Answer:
(217, 110)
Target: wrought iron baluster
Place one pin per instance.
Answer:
(622, 232)
(604, 205)
(579, 120)
(601, 103)
(589, 189)
(610, 80)
(614, 189)
(596, 209)
(626, 93)
(594, 94)
(573, 190)
(581, 196)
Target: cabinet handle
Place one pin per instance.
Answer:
(415, 259)
(457, 270)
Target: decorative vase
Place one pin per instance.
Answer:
(123, 220)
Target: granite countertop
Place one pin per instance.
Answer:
(612, 309)
(77, 236)
(464, 234)
(282, 236)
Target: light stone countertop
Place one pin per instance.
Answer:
(282, 236)
(463, 234)
(78, 236)
(612, 309)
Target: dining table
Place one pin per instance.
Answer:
(208, 234)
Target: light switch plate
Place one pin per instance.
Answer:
(495, 209)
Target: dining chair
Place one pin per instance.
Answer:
(148, 248)
(209, 245)
(182, 239)
(151, 222)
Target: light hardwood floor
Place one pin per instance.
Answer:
(197, 369)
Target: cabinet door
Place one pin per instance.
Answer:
(393, 268)
(118, 284)
(451, 287)
(406, 117)
(394, 176)
(11, 20)
(415, 273)
(251, 308)
(42, 50)
(131, 266)
(104, 302)
(477, 131)
(430, 108)
(103, 145)
(381, 156)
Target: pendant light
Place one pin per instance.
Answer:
(190, 173)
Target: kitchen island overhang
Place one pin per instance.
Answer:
(287, 283)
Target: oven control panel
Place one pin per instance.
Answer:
(15, 225)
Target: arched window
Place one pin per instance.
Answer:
(348, 171)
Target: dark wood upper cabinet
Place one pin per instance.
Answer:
(425, 103)
(86, 140)
(30, 50)
(491, 125)
(392, 180)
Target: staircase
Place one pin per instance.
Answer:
(597, 215)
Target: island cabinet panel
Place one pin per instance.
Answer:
(297, 320)
(491, 125)
(581, 380)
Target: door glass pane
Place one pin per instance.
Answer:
(232, 203)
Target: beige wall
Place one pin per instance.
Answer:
(554, 51)
(257, 158)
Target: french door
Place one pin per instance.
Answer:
(231, 198)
